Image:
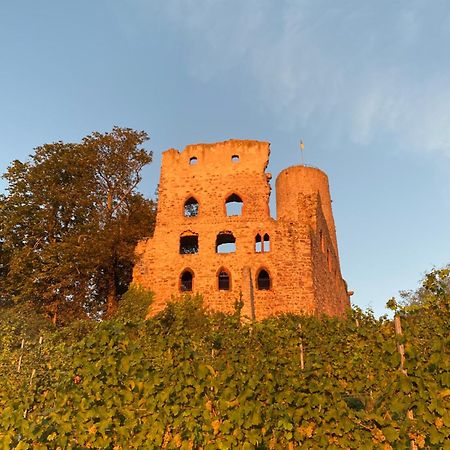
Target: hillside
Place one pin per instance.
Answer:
(188, 379)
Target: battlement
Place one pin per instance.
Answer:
(230, 156)
(214, 234)
(210, 173)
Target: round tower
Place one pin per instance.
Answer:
(297, 180)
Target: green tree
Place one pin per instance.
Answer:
(70, 221)
(123, 216)
(432, 296)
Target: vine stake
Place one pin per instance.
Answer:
(302, 358)
(21, 355)
(401, 350)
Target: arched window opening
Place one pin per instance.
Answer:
(186, 281)
(262, 244)
(263, 280)
(266, 243)
(188, 244)
(191, 207)
(234, 205)
(258, 244)
(225, 242)
(235, 158)
(223, 280)
(193, 161)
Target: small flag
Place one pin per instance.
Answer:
(302, 147)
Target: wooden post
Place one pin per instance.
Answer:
(21, 355)
(400, 346)
(302, 357)
(401, 351)
(33, 373)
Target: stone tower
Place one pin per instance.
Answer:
(214, 234)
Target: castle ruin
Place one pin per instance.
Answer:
(214, 234)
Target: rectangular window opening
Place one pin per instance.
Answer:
(188, 245)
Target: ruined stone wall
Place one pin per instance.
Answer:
(307, 181)
(211, 173)
(330, 291)
(303, 197)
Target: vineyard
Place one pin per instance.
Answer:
(189, 379)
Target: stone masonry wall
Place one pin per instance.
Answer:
(300, 279)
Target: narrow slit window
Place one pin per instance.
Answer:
(258, 244)
(234, 205)
(328, 260)
(263, 280)
(193, 161)
(186, 281)
(225, 243)
(322, 246)
(266, 243)
(191, 207)
(189, 244)
(224, 280)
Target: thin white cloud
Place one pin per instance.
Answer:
(363, 69)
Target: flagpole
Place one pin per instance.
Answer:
(302, 147)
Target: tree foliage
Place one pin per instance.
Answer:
(70, 221)
(434, 292)
(188, 379)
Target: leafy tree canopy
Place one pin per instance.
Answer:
(69, 223)
(433, 294)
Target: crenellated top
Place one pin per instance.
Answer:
(209, 175)
(234, 155)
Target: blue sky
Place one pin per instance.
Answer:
(366, 85)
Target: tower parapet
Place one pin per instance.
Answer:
(304, 180)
